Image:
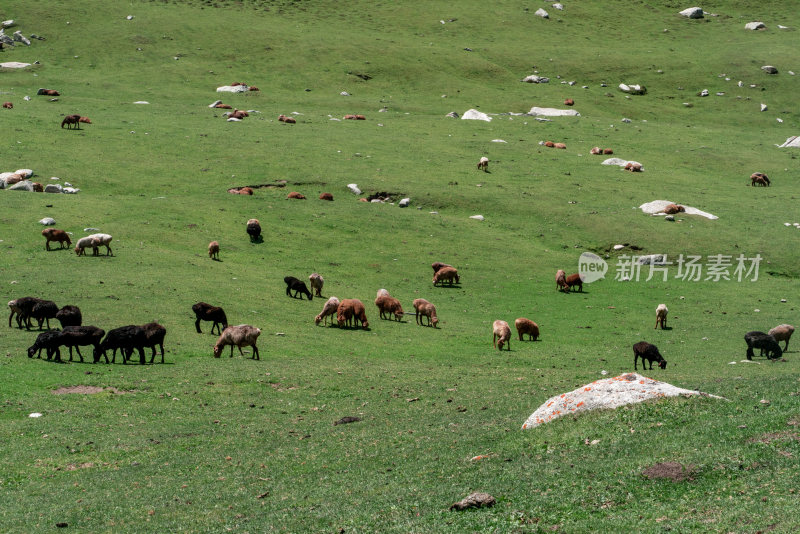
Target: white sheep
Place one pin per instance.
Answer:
(782, 332)
(483, 164)
(661, 316)
(94, 241)
(242, 335)
(501, 334)
(329, 309)
(316, 284)
(213, 250)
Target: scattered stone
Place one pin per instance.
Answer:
(558, 6)
(141, 102)
(670, 218)
(607, 393)
(474, 500)
(474, 114)
(769, 69)
(626, 120)
(633, 89)
(755, 26)
(452, 114)
(693, 13)
(619, 247)
(534, 78)
(8, 23)
(35, 415)
(344, 93)
(129, 17)
(404, 202)
(53, 188)
(656, 207)
(21, 38)
(23, 185)
(651, 259)
(346, 420)
(553, 112)
(542, 13)
(354, 189)
(704, 92)
(476, 217)
(232, 89)
(763, 107)
(791, 142)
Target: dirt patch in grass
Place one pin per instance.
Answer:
(87, 390)
(670, 470)
(769, 437)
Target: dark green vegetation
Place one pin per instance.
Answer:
(200, 444)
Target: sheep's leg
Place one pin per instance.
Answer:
(255, 352)
(142, 359)
(78, 349)
(635, 359)
(197, 326)
(231, 356)
(109, 252)
(494, 340)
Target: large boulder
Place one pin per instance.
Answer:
(232, 89)
(542, 13)
(755, 26)
(553, 112)
(53, 188)
(475, 115)
(792, 142)
(533, 78)
(23, 185)
(657, 207)
(14, 65)
(693, 13)
(769, 69)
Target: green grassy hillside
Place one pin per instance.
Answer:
(201, 445)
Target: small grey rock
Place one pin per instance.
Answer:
(474, 500)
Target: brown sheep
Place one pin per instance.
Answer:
(575, 280)
(483, 164)
(782, 332)
(388, 306)
(351, 310)
(242, 335)
(295, 194)
(501, 334)
(438, 265)
(569, 102)
(8, 105)
(608, 151)
(241, 191)
(349, 117)
(632, 166)
(253, 88)
(561, 281)
(287, 120)
(213, 250)
(759, 178)
(560, 145)
(37, 187)
(71, 120)
(672, 209)
(52, 234)
(596, 150)
(254, 230)
(223, 106)
(326, 196)
(448, 274)
(329, 309)
(48, 92)
(85, 120)
(238, 114)
(526, 326)
(549, 144)
(425, 309)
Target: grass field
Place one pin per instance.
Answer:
(232, 444)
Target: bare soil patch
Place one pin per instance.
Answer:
(87, 390)
(670, 470)
(769, 437)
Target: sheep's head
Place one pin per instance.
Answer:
(78, 251)
(365, 324)
(317, 319)
(217, 351)
(500, 344)
(663, 364)
(434, 321)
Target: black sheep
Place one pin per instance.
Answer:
(646, 351)
(46, 340)
(69, 316)
(298, 286)
(154, 334)
(77, 336)
(765, 342)
(207, 312)
(44, 310)
(23, 307)
(124, 338)
(254, 230)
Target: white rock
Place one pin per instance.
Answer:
(344, 93)
(452, 114)
(214, 104)
(626, 120)
(354, 189)
(553, 112)
(558, 6)
(669, 218)
(769, 69)
(474, 114)
(763, 107)
(499, 141)
(24, 185)
(693, 13)
(232, 89)
(53, 188)
(779, 119)
(542, 13)
(71, 190)
(533, 78)
(615, 161)
(90, 229)
(8, 23)
(15, 65)
(141, 102)
(619, 247)
(21, 38)
(755, 26)
(476, 217)
(783, 27)
(791, 142)
(651, 259)
(376, 201)
(233, 119)
(740, 84)
(633, 89)
(704, 92)
(656, 207)
(129, 17)
(605, 394)
(25, 173)
(48, 221)
(404, 202)
(34, 415)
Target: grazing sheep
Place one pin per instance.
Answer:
(575, 280)
(94, 241)
(23, 308)
(549, 144)
(483, 164)
(672, 209)
(254, 230)
(46, 340)
(154, 335)
(8, 105)
(317, 282)
(295, 194)
(438, 265)
(213, 250)
(326, 196)
(661, 316)
(569, 102)
(425, 309)
(330, 308)
(759, 178)
(382, 293)
(240, 191)
(207, 312)
(42, 311)
(53, 234)
(69, 316)
(222, 106)
(501, 334)
(71, 120)
(765, 342)
(238, 114)
(287, 120)
(389, 306)
(298, 286)
(242, 335)
(126, 339)
(596, 151)
(48, 92)
(607, 151)
(355, 117)
(350, 311)
(562, 146)
(85, 120)
(782, 332)
(448, 274)
(78, 336)
(633, 167)
(526, 326)
(646, 351)
(253, 88)
(561, 281)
